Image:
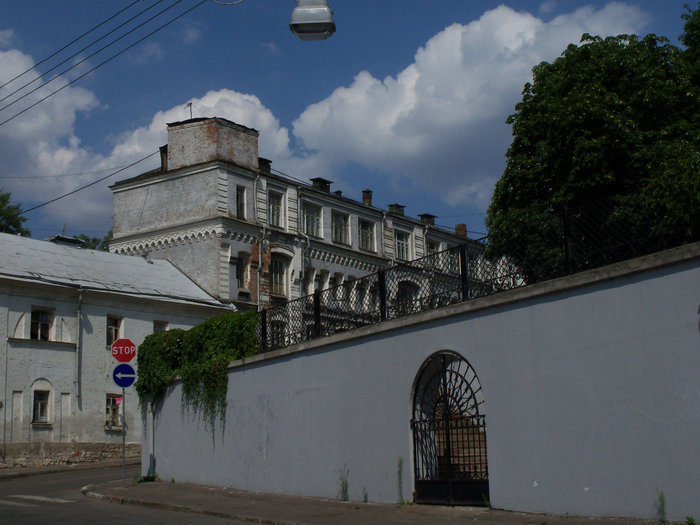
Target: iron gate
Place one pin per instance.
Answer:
(449, 433)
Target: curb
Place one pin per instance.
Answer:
(54, 469)
(123, 500)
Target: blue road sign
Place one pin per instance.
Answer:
(124, 375)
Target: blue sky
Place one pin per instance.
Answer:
(408, 98)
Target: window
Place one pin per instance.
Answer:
(406, 298)
(274, 204)
(40, 413)
(114, 325)
(278, 276)
(160, 326)
(113, 411)
(433, 247)
(401, 245)
(312, 220)
(367, 236)
(240, 202)
(339, 227)
(41, 325)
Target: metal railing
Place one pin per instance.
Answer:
(451, 276)
(555, 244)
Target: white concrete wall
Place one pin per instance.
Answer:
(591, 399)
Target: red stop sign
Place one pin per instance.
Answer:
(123, 350)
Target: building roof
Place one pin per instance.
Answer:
(26, 259)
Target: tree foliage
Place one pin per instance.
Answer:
(200, 357)
(96, 243)
(11, 219)
(613, 118)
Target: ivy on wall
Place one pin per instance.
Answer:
(200, 357)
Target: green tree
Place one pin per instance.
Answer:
(606, 136)
(96, 243)
(11, 219)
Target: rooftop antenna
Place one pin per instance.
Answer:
(189, 105)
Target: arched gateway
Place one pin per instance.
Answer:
(449, 433)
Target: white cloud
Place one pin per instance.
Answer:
(191, 32)
(440, 123)
(6, 36)
(147, 53)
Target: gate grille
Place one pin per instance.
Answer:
(449, 434)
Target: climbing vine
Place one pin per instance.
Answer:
(200, 357)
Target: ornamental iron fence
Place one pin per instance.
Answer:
(555, 243)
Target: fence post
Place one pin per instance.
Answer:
(317, 313)
(464, 271)
(263, 330)
(381, 281)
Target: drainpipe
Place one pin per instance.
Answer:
(300, 232)
(383, 254)
(78, 343)
(5, 408)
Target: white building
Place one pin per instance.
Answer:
(61, 307)
(246, 235)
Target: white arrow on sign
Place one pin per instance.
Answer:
(119, 375)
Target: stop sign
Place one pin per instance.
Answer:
(123, 350)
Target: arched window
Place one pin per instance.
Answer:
(42, 402)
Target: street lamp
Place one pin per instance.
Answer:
(312, 20)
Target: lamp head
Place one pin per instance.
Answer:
(312, 20)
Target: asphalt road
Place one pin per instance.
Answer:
(56, 499)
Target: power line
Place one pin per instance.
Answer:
(92, 183)
(87, 57)
(78, 174)
(70, 43)
(105, 61)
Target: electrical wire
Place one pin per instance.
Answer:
(70, 43)
(84, 59)
(104, 62)
(76, 54)
(5, 177)
(92, 183)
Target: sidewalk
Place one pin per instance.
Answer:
(287, 510)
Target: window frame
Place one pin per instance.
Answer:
(311, 222)
(40, 407)
(340, 227)
(160, 326)
(240, 202)
(38, 326)
(112, 401)
(367, 236)
(110, 336)
(278, 275)
(402, 246)
(279, 223)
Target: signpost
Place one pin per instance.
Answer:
(124, 375)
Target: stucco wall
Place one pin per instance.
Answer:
(591, 399)
(78, 376)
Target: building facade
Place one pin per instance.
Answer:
(252, 237)
(61, 307)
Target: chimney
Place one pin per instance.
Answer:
(200, 140)
(322, 184)
(265, 165)
(367, 197)
(164, 158)
(396, 208)
(461, 230)
(427, 218)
